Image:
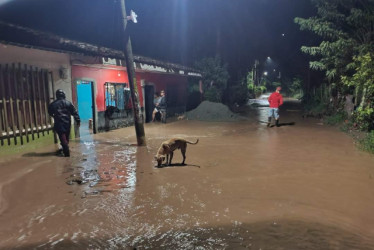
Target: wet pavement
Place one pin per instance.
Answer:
(303, 185)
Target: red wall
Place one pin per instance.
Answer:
(161, 81)
(100, 76)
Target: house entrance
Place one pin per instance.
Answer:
(85, 106)
(149, 92)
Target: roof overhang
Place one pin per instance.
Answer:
(17, 35)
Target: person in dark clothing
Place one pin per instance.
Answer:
(61, 110)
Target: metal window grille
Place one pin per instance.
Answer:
(117, 95)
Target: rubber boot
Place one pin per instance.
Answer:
(66, 150)
(277, 123)
(59, 152)
(269, 122)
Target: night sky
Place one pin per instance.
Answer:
(180, 31)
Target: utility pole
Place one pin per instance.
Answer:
(255, 75)
(129, 58)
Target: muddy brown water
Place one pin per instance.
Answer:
(245, 186)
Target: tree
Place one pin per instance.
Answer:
(291, 87)
(215, 77)
(363, 82)
(264, 84)
(346, 28)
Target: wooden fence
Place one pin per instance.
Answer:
(25, 93)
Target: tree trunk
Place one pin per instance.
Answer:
(357, 90)
(363, 98)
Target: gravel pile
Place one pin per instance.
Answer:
(212, 111)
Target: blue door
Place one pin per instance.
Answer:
(84, 93)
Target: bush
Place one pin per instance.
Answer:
(215, 77)
(364, 118)
(255, 91)
(336, 119)
(238, 94)
(260, 90)
(298, 95)
(213, 95)
(314, 108)
(367, 143)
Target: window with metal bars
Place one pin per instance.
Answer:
(117, 96)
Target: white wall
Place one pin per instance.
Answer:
(52, 61)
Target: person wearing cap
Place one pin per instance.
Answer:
(275, 101)
(61, 110)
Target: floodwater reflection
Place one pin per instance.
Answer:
(294, 187)
(88, 163)
(261, 235)
(105, 166)
(118, 170)
(260, 108)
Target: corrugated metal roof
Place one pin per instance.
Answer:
(29, 38)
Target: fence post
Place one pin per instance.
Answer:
(8, 70)
(16, 78)
(23, 90)
(34, 102)
(5, 108)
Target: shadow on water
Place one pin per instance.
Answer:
(41, 154)
(177, 165)
(281, 124)
(285, 124)
(261, 235)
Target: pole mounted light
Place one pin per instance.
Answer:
(129, 58)
(133, 17)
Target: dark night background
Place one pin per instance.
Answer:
(180, 31)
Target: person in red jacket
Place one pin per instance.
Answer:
(275, 101)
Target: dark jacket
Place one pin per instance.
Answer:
(61, 110)
(162, 105)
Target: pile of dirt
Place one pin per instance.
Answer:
(212, 111)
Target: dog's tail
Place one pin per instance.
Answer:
(193, 142)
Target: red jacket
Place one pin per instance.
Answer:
(275, 100)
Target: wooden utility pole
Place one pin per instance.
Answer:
(138, 116)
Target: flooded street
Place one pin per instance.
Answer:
(303, 185)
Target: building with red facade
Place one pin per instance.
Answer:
(34, 64)
(106, 84)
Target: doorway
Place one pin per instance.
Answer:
(149, 92)
(85, 100)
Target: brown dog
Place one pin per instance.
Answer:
(167, 148)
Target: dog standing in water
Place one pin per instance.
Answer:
(167, 148)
